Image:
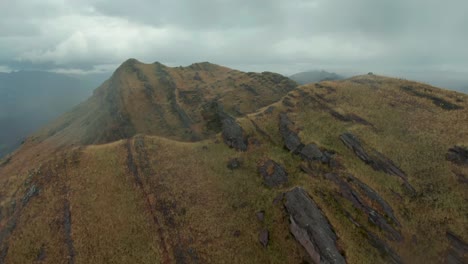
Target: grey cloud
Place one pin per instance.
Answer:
(285, 36)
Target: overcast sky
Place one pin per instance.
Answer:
(385, 36)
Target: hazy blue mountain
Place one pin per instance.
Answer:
(314, 76)
(30, 99)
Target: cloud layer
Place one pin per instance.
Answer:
(284, 36)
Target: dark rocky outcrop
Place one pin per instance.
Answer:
(311, 152)
(308, 152)
(373, 196)
(458, 252)
(264, 237)
(376, 160)
(385, 251)
(273, 173)
(310, 227)
(437, 101)
(458, 155)
(359, 197)
(233, 134)
(292, 142)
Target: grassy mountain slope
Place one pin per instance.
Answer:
(179, 103)
(148, 198)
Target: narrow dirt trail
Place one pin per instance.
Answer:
(133, 168)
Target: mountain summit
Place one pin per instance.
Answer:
(205, 164)
(154, 99)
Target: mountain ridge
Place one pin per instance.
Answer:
(389, 195)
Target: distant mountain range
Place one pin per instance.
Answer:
(30, 99)
(315, 76)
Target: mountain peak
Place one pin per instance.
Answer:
(172, 102)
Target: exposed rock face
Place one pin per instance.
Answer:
(373, 196)
(310, 228)
(388, 253)
(458, 155)
(458, 252)
(233, 134)
(273, 174)
(375, 159)
(264, 237)
(291, 140)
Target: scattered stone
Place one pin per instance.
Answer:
(310, 228)
(264, 237)
(458, 155)
(234, 164)
(458, 252)
(32, 191)
(261, 215)
(273, 174)
(311, 152)
(233, 134)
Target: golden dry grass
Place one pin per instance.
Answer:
(182, 202)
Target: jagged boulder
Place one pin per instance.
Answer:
(311, 152)
(233, 134)
(273, 173)
(292, 142)
(310, 227)
(458, 155)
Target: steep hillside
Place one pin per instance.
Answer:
(364, 170)
(31, 99)
(182, 103)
